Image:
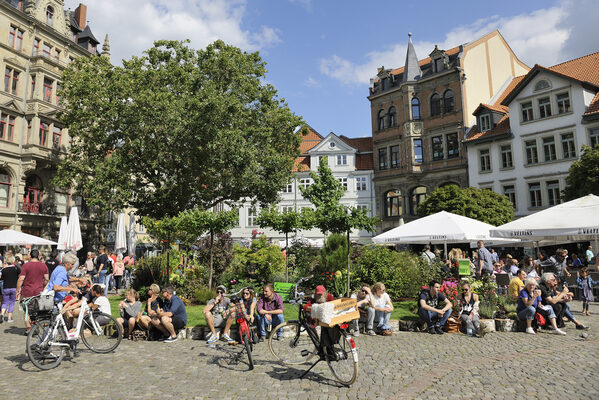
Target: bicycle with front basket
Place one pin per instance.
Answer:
(49, 340)
(300, 342)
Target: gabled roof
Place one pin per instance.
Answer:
(497, 108)
(361, 144)
(593, 110)
(451, 52)
(88, 35)
(502, 128)
(310, 140)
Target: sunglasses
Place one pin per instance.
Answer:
(246, 293)
(220, 291)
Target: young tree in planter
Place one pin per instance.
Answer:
(331, 216)
(166, 231)
(175, 129)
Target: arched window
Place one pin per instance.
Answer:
(542, 84)
(435, 105)
(448, 101)
(392, 117)
(381, 120)
(415, 108)
(393, 203)
(34, 191)
(416, 197)
(49, 15)
(4, 188)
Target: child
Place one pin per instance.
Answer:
(585, 284)
(100, 303)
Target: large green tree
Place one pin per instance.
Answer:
(330, 215)
(480, 204)
(176, 129)
(583, 177)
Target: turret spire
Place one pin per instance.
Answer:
(106, 48)
(411, 71)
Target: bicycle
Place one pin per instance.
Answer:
(245, 336)
(300, 342)
(49, 340)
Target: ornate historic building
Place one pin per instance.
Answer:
(419, 115)
(38, 40)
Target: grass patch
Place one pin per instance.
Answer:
(195, 317)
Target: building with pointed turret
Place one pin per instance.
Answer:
(420, 113)
(38, 40)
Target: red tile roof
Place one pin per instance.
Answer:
(427, 60)
(585, 68)
(503, 126)
(301, 164)
(360, 144)
(364, 162)
(594, 106)
(509, 89)
(310, 140)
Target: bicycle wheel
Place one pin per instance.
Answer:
(42, 349)
(343, 362)
(247, 342)
(106, 338)
(294, 347)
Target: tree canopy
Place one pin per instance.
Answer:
(176, 129)
(480, 204)
(583, 177)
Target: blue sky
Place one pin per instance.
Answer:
(321, 53)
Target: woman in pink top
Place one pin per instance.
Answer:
(117, 272)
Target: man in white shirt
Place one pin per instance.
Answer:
(366, 309)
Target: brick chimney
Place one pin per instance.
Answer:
(80, 15)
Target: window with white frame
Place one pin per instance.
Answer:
(510, 192)
(287, 209)
(563, 103)
(252, 216)
(549, 152)
(544, 107)
(484, 160)
(532, 154)
(342, 159)
(568, 147)
(534, 195)
(553, 198)
(485, 122)
(361, 183)
(305, 182)
(362, 207)
(288, 188)
(526, 111)
(506, 156)
(594, 137)
(343, 182)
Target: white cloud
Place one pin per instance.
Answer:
(133, 25)
(311, 82)
(539, 37)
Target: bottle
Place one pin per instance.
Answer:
(469, 331)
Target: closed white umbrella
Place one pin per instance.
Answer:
(120, 241)
(132, 233)
(62, 234)
(8, 237)
(73, 234)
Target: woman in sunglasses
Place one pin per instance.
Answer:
(249, 302)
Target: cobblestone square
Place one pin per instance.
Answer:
(404, 366)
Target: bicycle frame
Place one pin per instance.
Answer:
(59, 323)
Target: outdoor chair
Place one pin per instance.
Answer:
(503, 281)
(572, 285)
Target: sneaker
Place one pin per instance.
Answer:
(170, 339)
(277, 338)
(530, 331)
(213, 338)
(558, 331)
(439, 330)
(432, 330)
(261, 339)
(355, 333)
(371, 332)
(6, 318)
(227, 338)
(582, 327)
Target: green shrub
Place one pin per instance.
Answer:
(260, 262)
(150, 270)
(203, 295)
(486, 310)
(143, 293)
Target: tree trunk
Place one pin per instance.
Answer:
(348, 265)
(287, 257)
(211, 260)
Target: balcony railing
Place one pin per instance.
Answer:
(37, 208)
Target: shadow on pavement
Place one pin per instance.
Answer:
(15, 330)
(289, 373)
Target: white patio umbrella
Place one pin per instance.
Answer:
(62, 234)
(443, 227)
(120, 241)
(9, 237)
(132, 235)
(73, 234)
(574, 220)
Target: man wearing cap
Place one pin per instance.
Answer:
(270, 310)
(217, 315)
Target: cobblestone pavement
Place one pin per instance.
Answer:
(405, 366)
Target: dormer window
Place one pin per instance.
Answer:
(49, 15)
(484, 122)
(439, 64)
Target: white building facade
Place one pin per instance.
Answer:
(525, 142)
(351, 163)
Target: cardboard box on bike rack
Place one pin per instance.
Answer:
(335, 312)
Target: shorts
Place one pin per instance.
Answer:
(219, 321)
(178, 323)
(102, 320)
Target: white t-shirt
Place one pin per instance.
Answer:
(381, 301)
(103, 304)
(367, 298)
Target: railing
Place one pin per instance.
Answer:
(37, 208)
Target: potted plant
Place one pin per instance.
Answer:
(487, 310)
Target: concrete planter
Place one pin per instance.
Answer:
(488, 325)
(504, 325)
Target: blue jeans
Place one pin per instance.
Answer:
(527, 313)
(262, 322)
(568, 313)
(432, 318)
(381, 321)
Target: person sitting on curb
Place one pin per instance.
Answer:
(130, 310)
(382, 309)
(428, 308)
(469, 314)
(270, 310)
(174, 316)
(366, 309)
(154, 305)
(516, 284)
(217, 315)
(558, 300)
(529, 303)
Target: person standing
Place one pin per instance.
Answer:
(52, 262)
(589, 254)
(102, 267)
(494, 255)
(9, 275)
(118, 271)
(485, 260)
(557, 265)
(33, 277)
(90, 266)
(428, 255)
